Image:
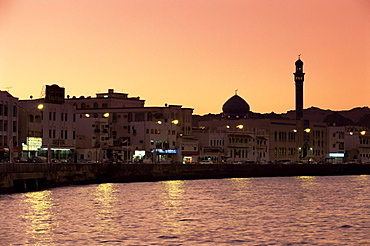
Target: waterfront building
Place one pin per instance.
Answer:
(48, 126)
(357, 139)
(312, 141)
(162, 134)
(103, 125)
(92, 132)
(336, 144)
(263, 140)
(114, 127)
(244, 137)
(189, 145)
(232, 139)
(8, 126)
(121, 128)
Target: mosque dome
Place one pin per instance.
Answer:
(235, 107)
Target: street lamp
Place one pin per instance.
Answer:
(240, 127)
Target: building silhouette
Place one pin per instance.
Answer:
(115, 127)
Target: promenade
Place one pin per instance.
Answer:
(29, 177)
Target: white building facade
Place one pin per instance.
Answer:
(232, 141)
(336, 144)
(131, 132)
(8, 126)
(47, 126)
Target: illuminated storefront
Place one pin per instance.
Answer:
(31, 146)
(163, 155)
(58, 154)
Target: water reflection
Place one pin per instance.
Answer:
(308, 182)
(39, 217)
(257, 211)
(236, 215)
(105, 198)
(172, 199)
(362, 190)
(174, 193)
(239, 189)
(362, 179)
(240, 184)
(104, 201)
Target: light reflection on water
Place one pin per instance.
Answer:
(38, 217)
(104, 202)
(172, 199)
(250, 211)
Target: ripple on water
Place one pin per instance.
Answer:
(254, 211)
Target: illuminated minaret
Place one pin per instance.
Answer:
(299, 78)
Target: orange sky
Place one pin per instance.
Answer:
(194, 53)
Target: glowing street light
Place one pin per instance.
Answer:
(240, 126)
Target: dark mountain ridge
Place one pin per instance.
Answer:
(359, 116)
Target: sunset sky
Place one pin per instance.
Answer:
(194, 53)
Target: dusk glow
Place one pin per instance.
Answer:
(190, 53)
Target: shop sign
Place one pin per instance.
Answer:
(164, 151)
(33, 143)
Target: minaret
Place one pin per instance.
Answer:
(299, 78)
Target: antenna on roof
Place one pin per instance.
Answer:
(42, 94)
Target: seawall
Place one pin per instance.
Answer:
(29, 177)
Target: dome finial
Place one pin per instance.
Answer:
(236, 92)
(299, 57)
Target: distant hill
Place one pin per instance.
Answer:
(356, 116)
(338, 120)
(364, 121)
